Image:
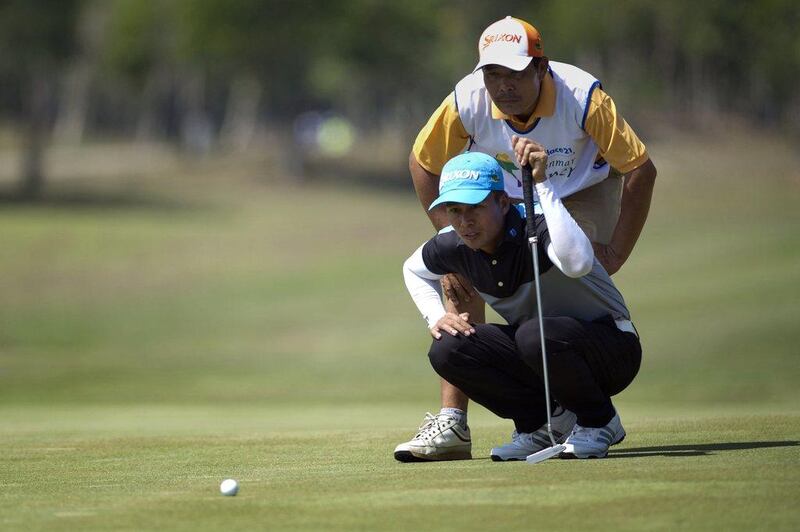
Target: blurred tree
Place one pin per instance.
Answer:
(81, 72)
(303, 53)
(255, 49)
(191, 70)
(36, 38)
(141, 51)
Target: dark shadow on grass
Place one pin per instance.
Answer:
(700, 449)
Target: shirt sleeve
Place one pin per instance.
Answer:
(567, 245)
(424, 288)
(438, 253)
(442, 138)
(618, 143)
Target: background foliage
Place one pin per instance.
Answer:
(383, 62)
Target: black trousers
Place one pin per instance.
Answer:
(500, 367)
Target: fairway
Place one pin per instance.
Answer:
(222, 323)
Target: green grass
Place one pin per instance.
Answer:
(219, 326)
(328, 467)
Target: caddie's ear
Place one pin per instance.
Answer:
(544, 64)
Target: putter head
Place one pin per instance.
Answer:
(544, 454)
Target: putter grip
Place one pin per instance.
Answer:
(527, 195)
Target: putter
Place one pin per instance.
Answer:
(527, 189)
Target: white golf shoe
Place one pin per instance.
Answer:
(526, 443)
(590, 442)
(440, 437)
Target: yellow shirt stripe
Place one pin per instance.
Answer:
(618, 143)
(442, 138)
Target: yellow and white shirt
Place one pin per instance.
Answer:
(574, 119)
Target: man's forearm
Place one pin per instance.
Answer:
(569, 249)
(636, 196)
(423, 287)
(427, 186)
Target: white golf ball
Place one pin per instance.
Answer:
(229, 487)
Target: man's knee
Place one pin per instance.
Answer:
(529, 344)
(557, 340)
(444, 351)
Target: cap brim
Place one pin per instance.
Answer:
(470, 197)
(514, 62)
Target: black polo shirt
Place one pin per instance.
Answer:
(505, 278)
(499, 274)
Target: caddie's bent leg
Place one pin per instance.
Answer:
(451, 396)
(446, 435)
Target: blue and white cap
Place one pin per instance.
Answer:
(469, 178)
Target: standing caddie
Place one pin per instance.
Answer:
(596, 165)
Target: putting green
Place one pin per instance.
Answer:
(213, 327)
(330, 467)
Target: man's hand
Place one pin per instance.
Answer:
(608, 257)
(453, 324)
(533, 154)
(457, 288)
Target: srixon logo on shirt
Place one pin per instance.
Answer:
(501, 37)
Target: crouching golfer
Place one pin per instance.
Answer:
(592, 347)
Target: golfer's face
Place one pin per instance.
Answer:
(514, 93)
(479, 226)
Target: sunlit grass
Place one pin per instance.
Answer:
(217, 323)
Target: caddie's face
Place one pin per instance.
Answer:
(515, 93)
(480, 226)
